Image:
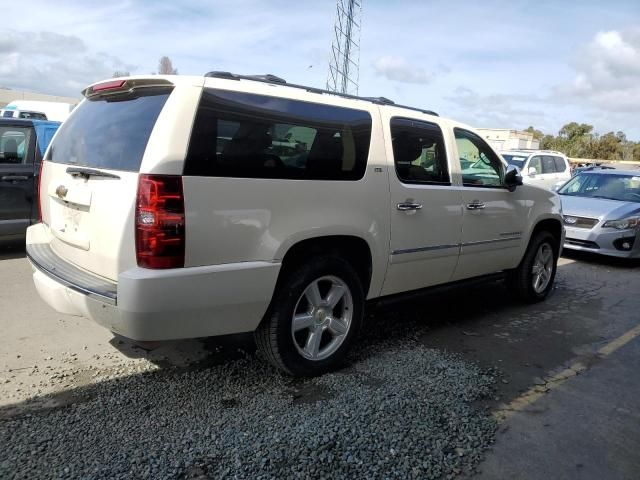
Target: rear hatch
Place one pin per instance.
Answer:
(90, 176)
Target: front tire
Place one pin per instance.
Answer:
(313, 318)
(533, 279)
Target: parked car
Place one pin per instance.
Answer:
(584, 168)
(26, 114)
(22, 144)
(156, 229)
(46, 110)
(542, 168)
(602, 212)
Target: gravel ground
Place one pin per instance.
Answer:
(400, 410)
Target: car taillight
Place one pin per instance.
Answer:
(39, 198)
(160, 222)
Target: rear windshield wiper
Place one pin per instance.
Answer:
(89, 172)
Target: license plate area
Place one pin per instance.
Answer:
(70, 215)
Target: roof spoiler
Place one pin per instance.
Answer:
(122, 86)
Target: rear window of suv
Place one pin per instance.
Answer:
(246, 135)
(109, 132)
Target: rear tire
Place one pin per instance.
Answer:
(533, 279)
(314, 316)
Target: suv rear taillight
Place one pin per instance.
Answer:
(160, 225)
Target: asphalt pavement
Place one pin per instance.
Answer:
(584, 424)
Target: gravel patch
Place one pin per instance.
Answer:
(400, 410)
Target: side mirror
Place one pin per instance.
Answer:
(512, 178)
(532, 171)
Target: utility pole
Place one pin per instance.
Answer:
(344, 68)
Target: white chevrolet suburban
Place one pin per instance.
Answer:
(176, 207)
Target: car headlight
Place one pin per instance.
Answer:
(624, 224)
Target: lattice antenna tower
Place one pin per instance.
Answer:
(344, 63)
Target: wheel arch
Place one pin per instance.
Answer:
(552, 225)
(352, 248)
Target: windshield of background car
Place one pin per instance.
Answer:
(14, 143)
(515, 160)
(109, 132)
(625, 188)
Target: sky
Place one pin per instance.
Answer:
(493, 64)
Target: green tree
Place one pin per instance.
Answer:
(574, 130)
(579, 140)
(537, 134)
(608, 147)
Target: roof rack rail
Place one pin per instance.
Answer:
(269, 78)
(422, 110)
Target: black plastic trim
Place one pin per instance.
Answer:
(44, 259)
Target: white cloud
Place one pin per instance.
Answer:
(607, 73)
(52, 63)
(498, 110)
(399, 70)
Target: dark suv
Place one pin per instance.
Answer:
(22, 146)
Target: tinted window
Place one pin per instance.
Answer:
(14, 145)
(560, 164)
(33, 115)
(418, 152)
(8, 113)
(548, 165)
(255, 136)
(109, 132)
(485, 169)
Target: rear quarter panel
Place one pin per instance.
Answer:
(243, 219)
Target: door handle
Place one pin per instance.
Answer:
(14, 178)
(475, 205)
(404, 206)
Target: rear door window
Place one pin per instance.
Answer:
(560, 164)
(109, 132)
(256, 136)
(419, 152)
(548, 165)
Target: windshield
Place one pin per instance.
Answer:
(14, 142)
(515, 160)
(624, 188)
(109, 132)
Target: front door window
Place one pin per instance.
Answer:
(481, 167)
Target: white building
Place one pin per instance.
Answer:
(8, 95)
(505, 139)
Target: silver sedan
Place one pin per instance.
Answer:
(601, 211)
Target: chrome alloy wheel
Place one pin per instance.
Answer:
(322, 318)
(542, 268)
